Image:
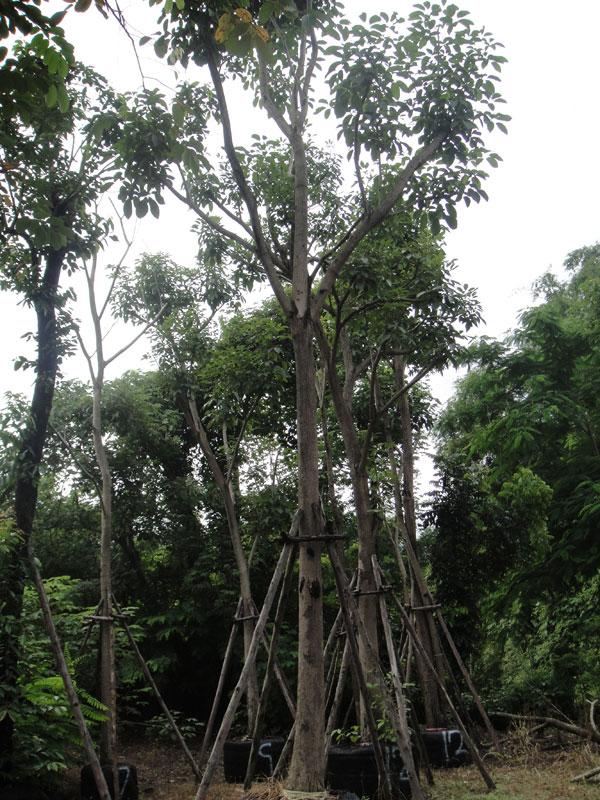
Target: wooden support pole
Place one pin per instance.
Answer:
(426, 660)
(338, 697)
(268, 679)
(220, 686)
(350, 616)
(468, 680)
(285, 753)
(240, 686)
(281, 679)
(155, 689)
(419, 577)
(403, 734)
(63, 669)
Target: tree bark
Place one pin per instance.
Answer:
(307, 766)
(26, 484)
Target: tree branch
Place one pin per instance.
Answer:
(370, 221)
(408, 386)
(185, 198)
(245, 190)
(136, 338)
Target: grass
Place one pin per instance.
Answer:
(527, 775)
(524, 772)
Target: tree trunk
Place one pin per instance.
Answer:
(26, 487)
(307, 766)
(108, 680)
(367, 539)
(425, 624)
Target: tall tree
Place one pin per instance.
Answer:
(413, 97)
(50, 181)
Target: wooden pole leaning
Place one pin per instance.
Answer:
(420, 578)
(404, 742)
(63, 669)
(236, 696)
(220, 686)
(487, 778)
(268, 679)
(349, 616)
(155, 689)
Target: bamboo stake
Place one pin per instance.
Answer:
(403, 734)
(236, 695)
(61, 665)
(268, 679)
(155, 689)
(357, 671)
(421, 650)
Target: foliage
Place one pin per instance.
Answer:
(46, 738)
(514, 539)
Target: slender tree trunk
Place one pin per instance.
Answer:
(108, 679)
(108, 682)
(367, 534)
(27, 467)
(425, 624)
(307, 766)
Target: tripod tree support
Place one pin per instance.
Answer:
(357, 671)
(236, 696)
(220, 686)
(469, 742)
(404, 739)
(424, 589)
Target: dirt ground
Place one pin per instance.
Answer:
(522, 773)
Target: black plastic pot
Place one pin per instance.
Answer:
(354, 769)
(236, 755)
(128, 785)
(350, 769)
(445, 747)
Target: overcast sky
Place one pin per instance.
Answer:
(543, 197)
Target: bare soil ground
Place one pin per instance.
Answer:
(523, 772)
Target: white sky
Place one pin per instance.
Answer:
(543, 197)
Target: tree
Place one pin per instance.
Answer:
(47, 224)
(222, 388)
(413, 97)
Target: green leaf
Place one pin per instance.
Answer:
(52, 96)
(82, 5)
(63, 99)
(160, 47)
